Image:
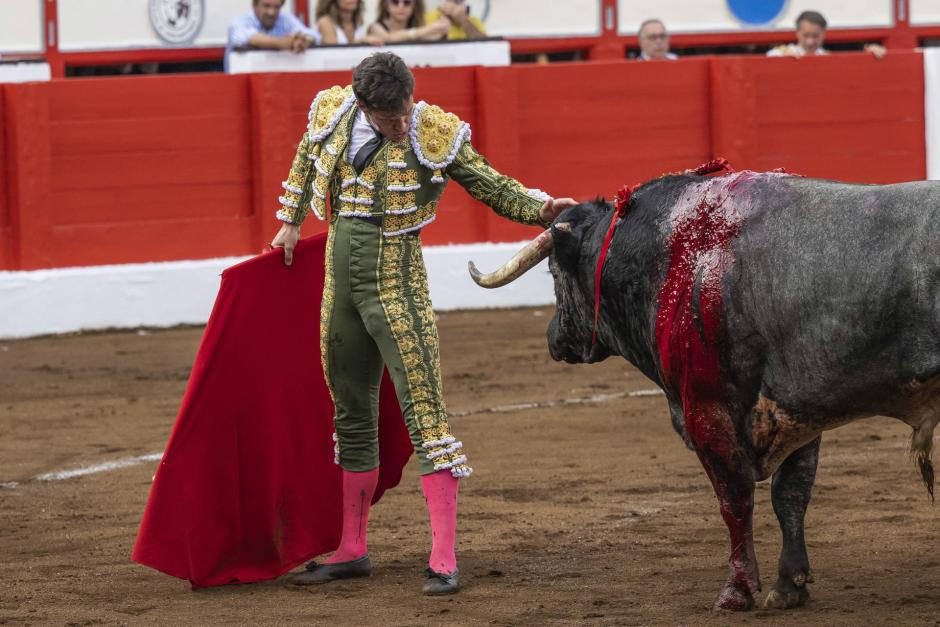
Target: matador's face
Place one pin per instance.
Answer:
(392, 124)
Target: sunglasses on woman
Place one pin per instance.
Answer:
(404, 3)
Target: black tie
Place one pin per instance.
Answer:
(368, 149)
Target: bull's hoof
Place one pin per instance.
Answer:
(779, 600)
(789, 593)
(734, 597)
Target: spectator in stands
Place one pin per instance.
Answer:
(340, 22)
(463, 25)
(810, 35)
(654, 41)
(266, 27)
(403, 20)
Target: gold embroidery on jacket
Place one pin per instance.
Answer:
(405, 223)
(400, 202)
(403, 292)
(326, 309)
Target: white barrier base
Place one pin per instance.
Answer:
(64, 300)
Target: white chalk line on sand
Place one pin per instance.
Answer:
(125, 462)
(596, 398)
(102, 467)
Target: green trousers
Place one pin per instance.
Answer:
(376, 313)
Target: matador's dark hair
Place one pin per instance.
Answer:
(382, 82)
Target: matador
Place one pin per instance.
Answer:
(380, 162)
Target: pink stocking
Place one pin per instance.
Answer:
(358, 488)
(440, 492)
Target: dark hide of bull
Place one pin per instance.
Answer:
(769, 308)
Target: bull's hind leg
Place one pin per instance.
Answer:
(790, 492)
(732, 476)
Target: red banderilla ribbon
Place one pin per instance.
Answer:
(621, 204)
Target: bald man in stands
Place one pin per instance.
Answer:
(654, 41)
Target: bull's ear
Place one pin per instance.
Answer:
(566, 245)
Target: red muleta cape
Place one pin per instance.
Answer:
(247, 488)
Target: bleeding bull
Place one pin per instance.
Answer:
(769, 308)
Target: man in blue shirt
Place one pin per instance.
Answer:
(266, 28)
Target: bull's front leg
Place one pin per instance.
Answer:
(790, 493)
(732, 476)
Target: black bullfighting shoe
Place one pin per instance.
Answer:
(441, 583)
(321, 573)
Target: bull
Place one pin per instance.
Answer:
(769, 308)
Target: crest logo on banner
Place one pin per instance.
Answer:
(177, 21)
(756, 12)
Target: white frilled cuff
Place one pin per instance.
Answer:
(296, 190)
(285, 216)
(539, 195)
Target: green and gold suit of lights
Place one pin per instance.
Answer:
(376, 310)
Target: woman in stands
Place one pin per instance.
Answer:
(340, 22)
(403, 20)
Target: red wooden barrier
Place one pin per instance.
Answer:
(160, 168)
(150, 170)
(846, 117)
(27, 117)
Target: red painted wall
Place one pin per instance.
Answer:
(134, 169)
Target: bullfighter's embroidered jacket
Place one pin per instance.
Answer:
(405, 180)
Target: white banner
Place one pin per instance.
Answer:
(21, 26)
(696, 16)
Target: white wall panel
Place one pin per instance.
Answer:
(21, 26)
(538, 18)
(117, 24)
(694, 16)
(925, 12)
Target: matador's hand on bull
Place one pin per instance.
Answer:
(553, 207)
(287, 239)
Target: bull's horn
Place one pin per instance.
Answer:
(524, 260)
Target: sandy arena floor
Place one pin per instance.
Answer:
(585, 513)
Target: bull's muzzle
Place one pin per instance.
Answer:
(523, 261)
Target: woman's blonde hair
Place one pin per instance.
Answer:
(329, 7)
(417, 14)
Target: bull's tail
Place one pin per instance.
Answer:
(921, 448)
